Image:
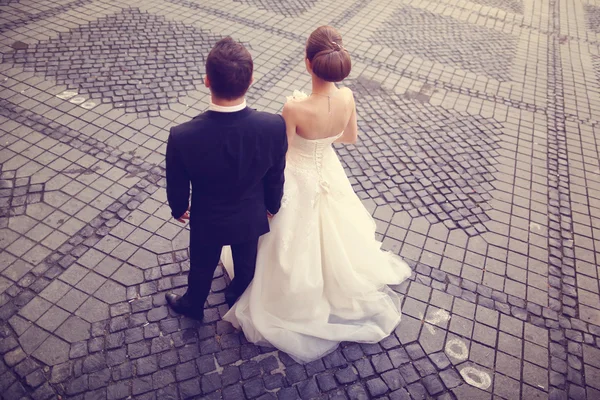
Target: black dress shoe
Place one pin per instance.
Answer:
(181, 305)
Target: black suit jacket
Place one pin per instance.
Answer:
(235, 163)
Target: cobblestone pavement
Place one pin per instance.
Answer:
(478, 158)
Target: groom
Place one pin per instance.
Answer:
(234, 158)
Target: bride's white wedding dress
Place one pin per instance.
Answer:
(321, 276)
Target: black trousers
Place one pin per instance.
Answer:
(203, 262)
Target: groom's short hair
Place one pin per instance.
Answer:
(229, 69)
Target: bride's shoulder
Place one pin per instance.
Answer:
(346, 91)
(294, 104)
(348, 97)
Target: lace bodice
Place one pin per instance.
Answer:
(308, 160)
(309, 154)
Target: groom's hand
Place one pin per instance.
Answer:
(185, 217)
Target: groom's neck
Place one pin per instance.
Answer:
(227, 103)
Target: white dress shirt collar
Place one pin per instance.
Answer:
(227, 109)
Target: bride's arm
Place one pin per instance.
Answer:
(351, 131)
(290, 123)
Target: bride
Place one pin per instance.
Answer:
(321, 276)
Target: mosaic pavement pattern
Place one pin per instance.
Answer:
(439, 38)
(288, 8)
(139, 61)
(593, 17)
(478, 158)
(596, 62)
(419, 158)
(512, 6)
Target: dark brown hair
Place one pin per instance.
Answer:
(229, 69)
(328, 57)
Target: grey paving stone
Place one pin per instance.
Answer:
(484, 334)
(94, 362)
(95, 344)
(60, 372)
(26, 367)
(111, 293)
(44, 392)
(393, 379)
(156, 314)
(535, 354)
(35, 379)
(116, 357)
(93, 310)
(409, 374)
(128, 275)
(78, 350)
(461, 326)
(410, 330)
(417, 390)
(231, 374)
(511, 325)
(52, 352)
(364, 368)
(119, 323)
(450, 378)
(74, 329)
(190, 388)
(376, 387)
(35, 309)
(118, 390)
(72, 300)
(276, 381)
(99, 379)
(289, 393)
(32, 338)
(510, 344)
(271, 363)
(123, 371)
(78, 385)
(425, 367)
(249, 370)
(53, 318)
(506, 387)
(381, 363)
(508, 365)
(400, 394)
(138, 349)
(295, 373)
(346, 375)
(210, 383)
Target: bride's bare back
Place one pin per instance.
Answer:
(322, 115)
(328, 111)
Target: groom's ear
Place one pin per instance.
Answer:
(207, 82)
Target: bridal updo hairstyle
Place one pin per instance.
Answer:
(328, 57)
(229, 68)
